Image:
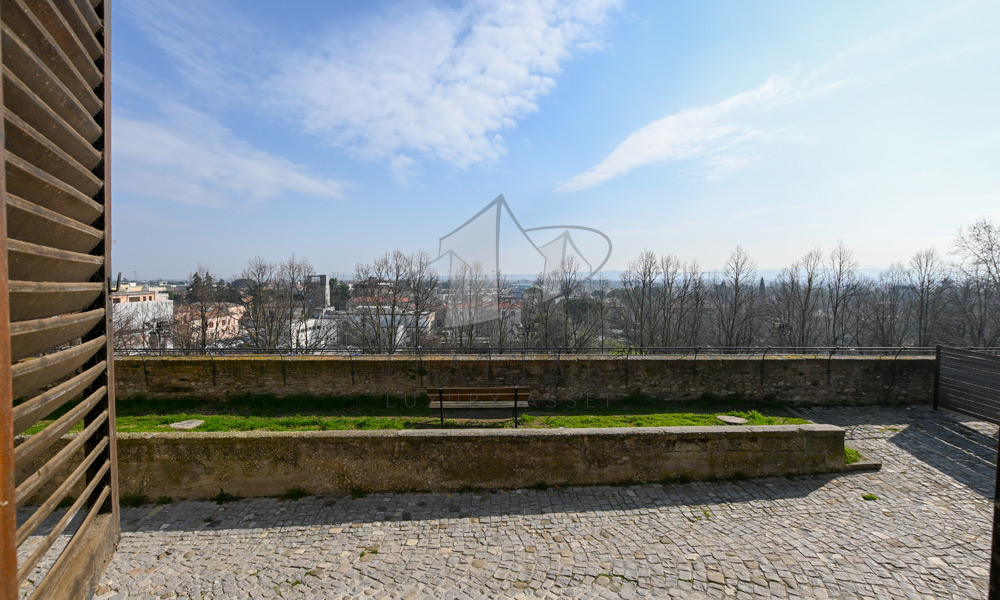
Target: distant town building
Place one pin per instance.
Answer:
(141, 318)
(217, 325)
(317, 289)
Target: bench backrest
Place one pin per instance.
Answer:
(481, 394)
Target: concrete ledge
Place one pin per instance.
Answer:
(863, 465)
(198, 465)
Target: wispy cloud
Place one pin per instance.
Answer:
(690, 133)
(403, 168)
(438, 81)
(213, 48)
(420, 79)
(185, 156)
(713, 133)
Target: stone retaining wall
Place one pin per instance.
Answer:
(795, 380)
(198, 465)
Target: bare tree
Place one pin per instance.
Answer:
(888, 307)
(142, 325)
(639, 308)
(736, 299)
(469, 304)
(926, 277)
(263, 324)
(669, 295)
(841, 290)
(503, 329)
(542, 316)
(377, 317)
(569, 285)
(796, 299)
(974, 318)
(295, 305)
(280, 310)
(978, 294)
(201, 316)
(979, 247)
(422, 285)
(601, 293)
(690, 307)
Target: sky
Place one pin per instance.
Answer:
(336, 131)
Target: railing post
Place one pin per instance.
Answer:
(937, 377)
(829, 363)
(762, 357)
(441, 404)
(995, 546)
(892, 383)
(515, 407)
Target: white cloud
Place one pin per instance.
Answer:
(439, 81)
(403, 168)
(712, 132)
(425, 78)
(188, 157)
(214, 48)
(690, 133)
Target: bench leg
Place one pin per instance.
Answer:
(515, 408)
(441, 402)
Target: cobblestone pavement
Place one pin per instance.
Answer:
(926, 536)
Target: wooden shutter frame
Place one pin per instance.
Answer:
(8, 508)
(78, 566)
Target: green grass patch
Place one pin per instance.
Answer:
(139, 414)
(645, 411)
(869, 497)
(851, 455)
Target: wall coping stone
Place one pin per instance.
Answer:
(680, 431)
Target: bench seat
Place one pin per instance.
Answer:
(485, 398)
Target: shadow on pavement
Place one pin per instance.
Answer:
(338, 511)
(956, 445)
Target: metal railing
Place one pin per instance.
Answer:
(620, 352)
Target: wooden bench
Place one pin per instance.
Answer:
(478, 398)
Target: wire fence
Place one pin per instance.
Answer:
(614, 352)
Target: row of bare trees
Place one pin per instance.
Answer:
(819, 300)
(265, 307)
(400, 301)
(393, 299)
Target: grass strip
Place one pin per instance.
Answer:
(315, 413)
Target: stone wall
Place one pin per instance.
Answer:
(198, 465)
(794, 380)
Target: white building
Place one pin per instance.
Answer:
(141, 319)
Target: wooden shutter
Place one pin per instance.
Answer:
(55, 351)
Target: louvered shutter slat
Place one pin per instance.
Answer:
(55, 340)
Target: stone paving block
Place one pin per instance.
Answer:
(927, 535)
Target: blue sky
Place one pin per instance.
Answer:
(340, 130)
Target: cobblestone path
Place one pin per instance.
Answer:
(927, 534)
